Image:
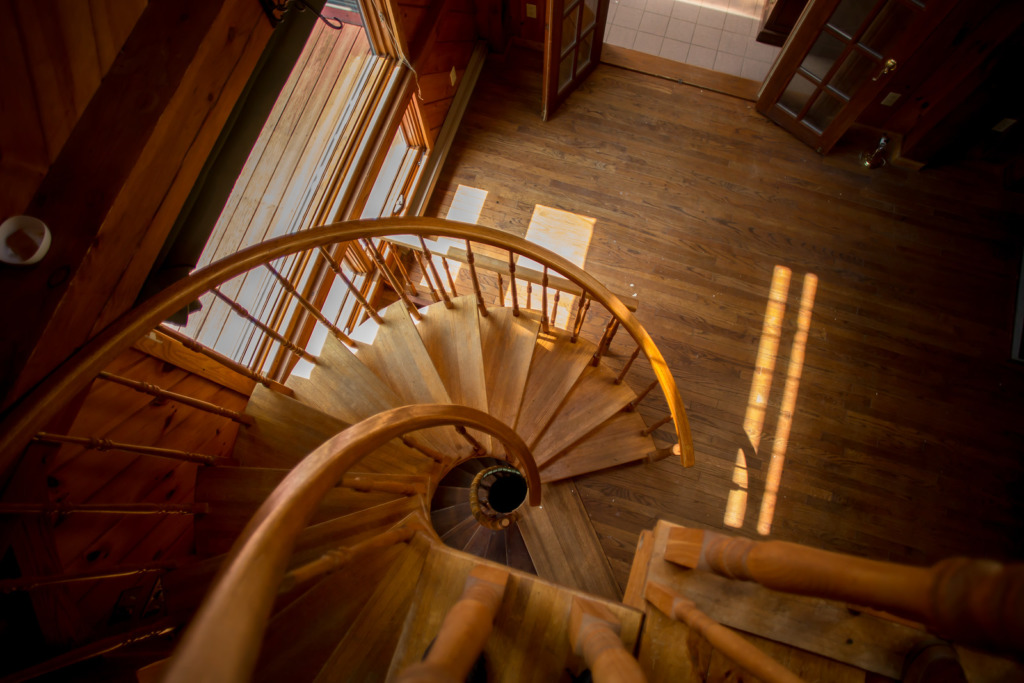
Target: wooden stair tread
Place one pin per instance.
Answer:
(452, 340)
(507, 343)
(447, 518)
(533, 618)
(594, 398)
(400, 359)
(342, 386)
(371, 639)
(616, 442)
(460, 534)
(234, 494)
(556, 365)
(331, 604)
(563, 545)
(847, 642)
(273, 439)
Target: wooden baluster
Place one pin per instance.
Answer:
(339, 558)
(390, 277)
(425, 450)
(309, 306)
(501, 291)
(512, 276)
(235, 366)
(108, 445)
(27, 583)
(437, 277)
(153, 390)
(351, 287)
(104, 508)
(625, 368)
(654, 427)
(464, 631)
(976, 602)
(367, 484)
(636, 401)
(470, 259)
(554, 308)
(263, 327)
(478, 450)
(426, 276)
(581, 313)
(403, 271)
(725, 640)
(544, 302)
(529, 295)
(594, 636)
(448, 274)
(606, 341)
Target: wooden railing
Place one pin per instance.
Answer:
(222, 641)
(35, 410)
(974, 602)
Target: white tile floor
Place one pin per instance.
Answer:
(713, 34)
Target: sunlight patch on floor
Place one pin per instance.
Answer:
(760, 388)
(793, 374)
(567, 234)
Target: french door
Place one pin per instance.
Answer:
(572, 47)
(838, 60)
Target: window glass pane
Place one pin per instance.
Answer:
(849, 15)
(887, 27)
(823, 55)
(586, 43)
(565, 71)
(796, 95)
(569, 28)
(856, 69)
(823, 111)
(589, 13)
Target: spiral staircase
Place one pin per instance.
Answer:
(409, 505)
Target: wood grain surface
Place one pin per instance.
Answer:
(903, 440)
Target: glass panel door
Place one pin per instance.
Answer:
(572, 47)
(838, 60)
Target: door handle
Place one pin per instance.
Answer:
(887, 68)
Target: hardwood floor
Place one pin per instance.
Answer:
(906, 435)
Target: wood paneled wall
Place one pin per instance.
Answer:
(54, 55)
(114, 191)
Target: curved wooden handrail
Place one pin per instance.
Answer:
(39, 406)
(222, 642)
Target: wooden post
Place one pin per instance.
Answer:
(27, 583)
(104, 508)
(426, 276)
(554, 308)
(351, 287)
(309, 306)
(643, 394)
(529, 294)
(395, 285)
(107, 445)
(606, 341)
(976, 602)
(434, 455)
(154, 390)
(512, 276)
(625, 368)
(501, 291)
(448, 274)
(581, 313)
(476, 282)
(544, 301)
(437, 277)
(478, 450)
(725, 640)
(403, 271)
(654, 427)
(464, 631)
(263, 327)
(594, 635)
(193, 345)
